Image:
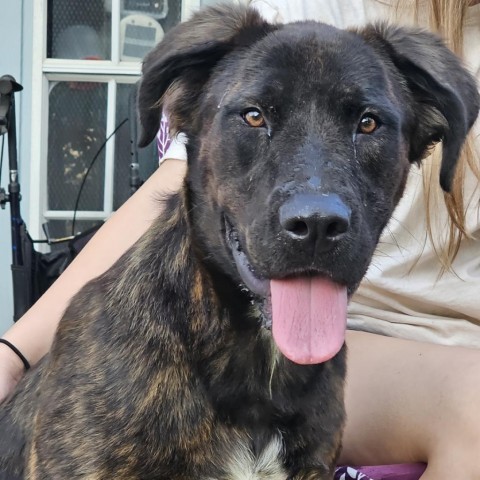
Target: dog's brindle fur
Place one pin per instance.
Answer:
(161, 368)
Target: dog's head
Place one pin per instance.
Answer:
(300, 140)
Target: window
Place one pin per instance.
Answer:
(84, 76)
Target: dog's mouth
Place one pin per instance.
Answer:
(306, 312)
(258, 286)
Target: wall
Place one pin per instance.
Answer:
(16, 23)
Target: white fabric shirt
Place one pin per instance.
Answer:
(402, 294)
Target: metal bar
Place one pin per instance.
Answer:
(108, 190)
(115, 32)
(68, 215)
(91, 67)
(39, 121)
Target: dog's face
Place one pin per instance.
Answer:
(302, 156)
(301, 138)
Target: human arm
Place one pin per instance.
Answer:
(33, 333)
(412, 402)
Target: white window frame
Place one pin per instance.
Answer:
(46, 70)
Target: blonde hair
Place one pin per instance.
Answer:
(446, 17)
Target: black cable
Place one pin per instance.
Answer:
(1, 160)
(54, 241)
(92, 163)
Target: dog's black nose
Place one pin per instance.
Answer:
(317, 219)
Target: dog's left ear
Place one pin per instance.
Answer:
(175, 72)
(445, 95)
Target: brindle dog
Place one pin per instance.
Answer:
(213, 349)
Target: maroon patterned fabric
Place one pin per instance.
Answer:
(382, 472)
(163, 138)
(349, 473)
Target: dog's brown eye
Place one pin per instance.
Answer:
(367, 125)
(254, 118)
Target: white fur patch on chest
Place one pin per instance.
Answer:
(243, 465)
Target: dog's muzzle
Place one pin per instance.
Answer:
(306, 311)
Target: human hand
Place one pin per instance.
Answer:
(11, 371)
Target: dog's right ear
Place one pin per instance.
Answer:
(445, 96)
(176, 70)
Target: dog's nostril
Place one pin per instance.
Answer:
(336, 227)
(298, 228)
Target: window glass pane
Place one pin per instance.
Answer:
(76, 131)
(79, 29)
(122, 147)
(124, 141)
(143, 25)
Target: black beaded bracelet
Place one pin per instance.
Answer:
(17, 351)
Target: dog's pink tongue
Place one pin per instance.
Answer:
(309, 318)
